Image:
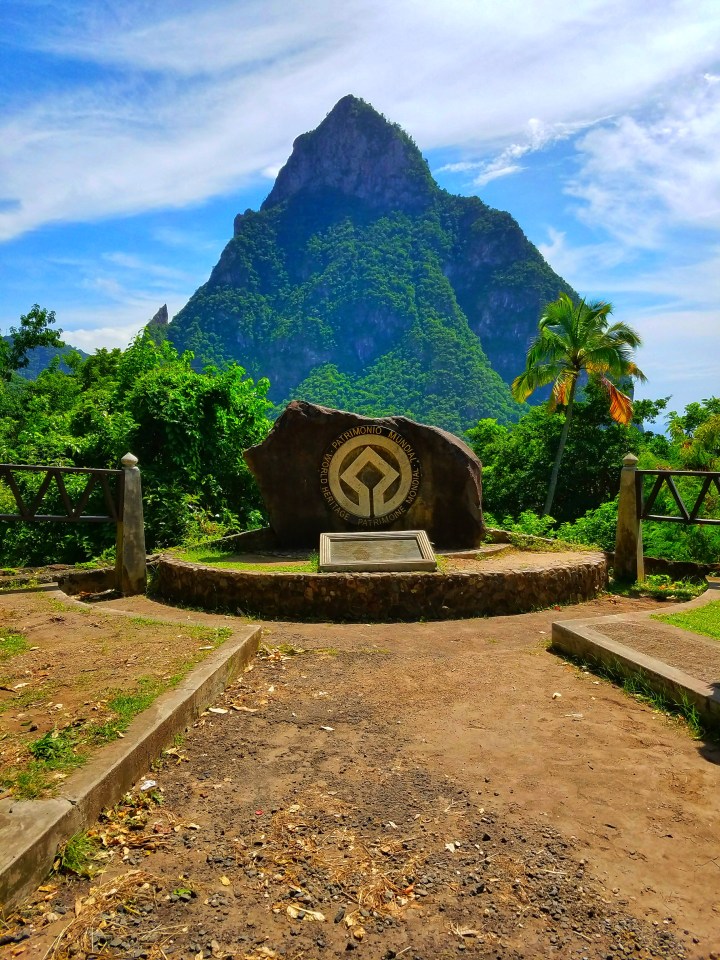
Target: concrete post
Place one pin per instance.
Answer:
(629, 564)
(130, 569)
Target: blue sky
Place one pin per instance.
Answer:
(131, 134)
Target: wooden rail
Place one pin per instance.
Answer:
(74, 512)
(688, 515)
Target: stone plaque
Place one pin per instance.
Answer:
(368, 552)
(370, 475)
(330, 471)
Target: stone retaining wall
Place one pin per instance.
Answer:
(368, 597)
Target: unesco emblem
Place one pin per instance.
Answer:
(370, 476)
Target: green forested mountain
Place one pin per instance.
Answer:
(361, 284)
(40, 358)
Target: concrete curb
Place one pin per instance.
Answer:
(32, 830)
(585, 639)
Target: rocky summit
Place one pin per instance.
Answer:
(360, 284)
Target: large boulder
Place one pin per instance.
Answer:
(323, 471)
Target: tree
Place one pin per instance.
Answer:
(696, 434)
(517, 459)
(575, 338)
(34, 331)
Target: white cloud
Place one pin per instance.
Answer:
(538, 135)
(140, 265)
(196, 102)
(641, 176)
(111, 324)
(93, 338)
(583, 266)
(671, 298)
(688, 374)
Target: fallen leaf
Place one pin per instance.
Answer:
(217, 710)
(239, 707)
(329, 729)
(556, 696)
(225, 881)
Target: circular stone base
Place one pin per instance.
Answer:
(513, 582)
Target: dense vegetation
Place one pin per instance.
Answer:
(188, 430)
(517, 461)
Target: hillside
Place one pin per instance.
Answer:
(361, 284)
(40, 358)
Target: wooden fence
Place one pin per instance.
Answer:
(121, 500)
(635, 505)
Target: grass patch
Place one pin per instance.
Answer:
(25, 698)
(662, 587)
(126, 705)
(635, 683)
(54, 755)
(533, 544)
(704, 620)
(75, 856)
(58, 752)
(228, 560)
(56, 749)
(30, 783)
(30, 582)
(11, 644)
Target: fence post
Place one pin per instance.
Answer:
(629, 564)
(130, 569)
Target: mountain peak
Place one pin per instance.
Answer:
(356, 152)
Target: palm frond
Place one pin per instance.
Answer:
(621, 408)
(534, 377)
(574, 336)
(562, 388)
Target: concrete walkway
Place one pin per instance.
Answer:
(679, 664)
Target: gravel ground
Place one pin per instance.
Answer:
(421, 791)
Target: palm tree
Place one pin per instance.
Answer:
(572, 338)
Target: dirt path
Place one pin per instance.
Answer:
(424, 790)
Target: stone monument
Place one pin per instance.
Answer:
(323, 470)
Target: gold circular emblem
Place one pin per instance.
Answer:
(370, 475)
